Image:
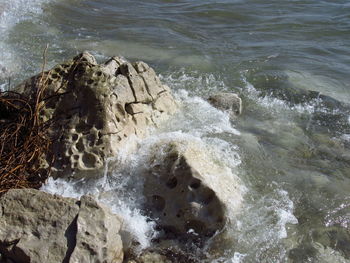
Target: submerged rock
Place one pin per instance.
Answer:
(179, 197)
(96, 108)
(163, 256)
(39, 227)
(227, 101)
(150, 257)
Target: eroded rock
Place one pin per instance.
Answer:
(97, 108)
(39, 227)
(227, 101)
(180, 199)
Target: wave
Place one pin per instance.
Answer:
(12, 13)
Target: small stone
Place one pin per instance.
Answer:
(226, 101)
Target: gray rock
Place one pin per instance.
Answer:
(150, 257)
(97, 108)
(39, 227)
(226, 101)
(179, 197)
(166, 255)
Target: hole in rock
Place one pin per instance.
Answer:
(180, 213)
(80, 145)
(172, 182)
(195, 184)
(196, 225)
(75, 137)
(89, 160)
(207, 196)
(220, 220)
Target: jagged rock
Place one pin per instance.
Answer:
(97, 108)
(180, 199)
(38, 227)
(226, 101)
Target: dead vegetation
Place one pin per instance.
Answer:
(24, 138)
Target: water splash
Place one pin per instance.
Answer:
(11, 13)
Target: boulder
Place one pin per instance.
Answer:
(96, 108)
(227, 101)
(180, 199)
(38, 227)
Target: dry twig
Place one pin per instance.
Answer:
(23, 137)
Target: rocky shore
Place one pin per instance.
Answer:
(94, 110)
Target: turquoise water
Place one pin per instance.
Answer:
(288, 60)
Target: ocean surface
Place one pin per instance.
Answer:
(289, 151)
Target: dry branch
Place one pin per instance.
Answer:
(24, 137)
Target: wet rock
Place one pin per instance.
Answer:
(39, 227)
(167, 255)
(97, 108)
(227, 101)
(180, 199)
(150, 257)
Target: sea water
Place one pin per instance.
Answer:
(289, 151)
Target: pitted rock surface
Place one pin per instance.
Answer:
(97, 108)
(38, 227)
(179, 198)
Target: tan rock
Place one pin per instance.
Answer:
(38, 227)
(179, 197)
(97, 108)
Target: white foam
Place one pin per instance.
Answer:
(195, 83)
(197, 117)
(237, 258)
(276, 105)
(262, 224)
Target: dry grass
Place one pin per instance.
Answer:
(23, 138)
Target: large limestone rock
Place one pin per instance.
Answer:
(179, 197)
(38, 227)
(96, 108)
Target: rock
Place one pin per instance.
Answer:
(226, 101)
(39, 227)
(167, 255)
(150, 257)
(97, 108)
(179, 198)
